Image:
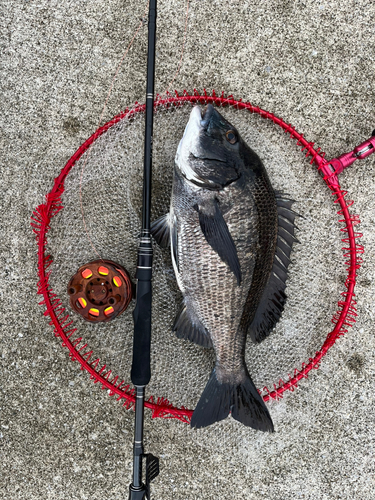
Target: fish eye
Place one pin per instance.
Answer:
(231, 136)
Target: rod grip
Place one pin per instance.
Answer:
(141, 371)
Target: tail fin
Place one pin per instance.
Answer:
(241, 400)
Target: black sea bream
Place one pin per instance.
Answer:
(231, 236)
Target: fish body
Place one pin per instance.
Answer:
(223, 229)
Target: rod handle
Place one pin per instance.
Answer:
(141, 371)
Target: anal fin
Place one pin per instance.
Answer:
(273, 299)
(190, 329)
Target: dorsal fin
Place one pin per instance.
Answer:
(272, 302)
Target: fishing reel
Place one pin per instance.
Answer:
(100, 290)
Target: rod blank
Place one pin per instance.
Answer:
(141, 371)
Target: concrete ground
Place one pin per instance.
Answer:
(310, 62)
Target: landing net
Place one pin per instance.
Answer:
(320, 289)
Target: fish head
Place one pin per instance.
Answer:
(211, 153)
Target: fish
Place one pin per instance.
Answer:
(231, 236)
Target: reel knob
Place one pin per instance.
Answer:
(100, 290)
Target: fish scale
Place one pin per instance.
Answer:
(223, 230)
(220, 301)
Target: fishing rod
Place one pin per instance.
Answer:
(141, 370)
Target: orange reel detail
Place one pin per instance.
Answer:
(100, 290)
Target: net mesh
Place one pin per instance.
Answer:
(111, 187)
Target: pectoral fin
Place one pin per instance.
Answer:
(218, 236)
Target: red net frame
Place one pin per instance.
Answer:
(79, 350)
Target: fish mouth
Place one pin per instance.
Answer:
(209, 160)
(206, 115)
(202, 125)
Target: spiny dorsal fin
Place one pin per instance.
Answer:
(273, 299)
(160, 230)
(217, 235)
(187, 328)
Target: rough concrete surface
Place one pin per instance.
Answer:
(311, 62)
